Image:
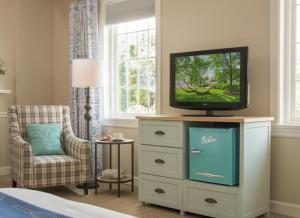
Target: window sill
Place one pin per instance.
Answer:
(285, 131)
(120, 122)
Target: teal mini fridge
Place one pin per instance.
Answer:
(214, 155)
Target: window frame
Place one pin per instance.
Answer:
(289, 64)
(282, 69)
(112, 119)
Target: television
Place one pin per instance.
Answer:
(209, 80)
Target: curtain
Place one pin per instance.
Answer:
(84, 43)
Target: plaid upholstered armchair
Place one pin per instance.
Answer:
(31, 171)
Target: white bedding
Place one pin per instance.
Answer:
(60, 205)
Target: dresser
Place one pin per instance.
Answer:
(163, 167)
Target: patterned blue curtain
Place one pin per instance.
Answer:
(84, 43)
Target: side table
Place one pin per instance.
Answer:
(119, 180)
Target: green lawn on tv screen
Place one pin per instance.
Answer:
(214, 95)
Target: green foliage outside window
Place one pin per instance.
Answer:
(136, 66)
(132, 51)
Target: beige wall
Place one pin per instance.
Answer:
(285, 173)
(26, 45)
(34, 44)
(7, 53)
(208, 24)
(34, 52)
(61, 51)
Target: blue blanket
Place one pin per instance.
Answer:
(11, 207)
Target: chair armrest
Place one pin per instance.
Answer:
(17, 140)
(21, 159)
(19, 145)
(76, 147)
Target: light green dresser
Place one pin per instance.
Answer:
(163, 163)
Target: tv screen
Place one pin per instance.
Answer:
(209, 80)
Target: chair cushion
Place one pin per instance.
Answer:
(52, 170)
(45, 138)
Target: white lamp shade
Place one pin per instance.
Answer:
(86, 73)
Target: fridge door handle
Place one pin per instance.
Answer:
(195, 151)
(209, 175)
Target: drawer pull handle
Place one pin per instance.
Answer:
(159, 132)
(159, 190)
(159, 161)
(211, 201)
(209, 175)
(195, 151)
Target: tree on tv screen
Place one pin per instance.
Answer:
(217, 74)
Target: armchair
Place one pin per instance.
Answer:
(31, 171)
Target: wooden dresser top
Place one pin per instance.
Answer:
(233, 119)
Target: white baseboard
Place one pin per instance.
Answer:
(284, 208)
(4, 171)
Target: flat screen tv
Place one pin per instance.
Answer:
(209, 80)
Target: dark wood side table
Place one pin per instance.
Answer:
(119, 180)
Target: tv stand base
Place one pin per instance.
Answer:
(208, 113)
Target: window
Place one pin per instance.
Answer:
(291, 62)
(295, 59)
(131, 67)
(285, 60)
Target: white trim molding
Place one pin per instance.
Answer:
(4, 171)
(111, 112)
(285, 131)
(282, 62)
(5, 91)
(120, 122)
(275, 60)
(158, 94)
(284, 208)
(3, 114)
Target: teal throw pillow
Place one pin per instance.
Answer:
(45, 138)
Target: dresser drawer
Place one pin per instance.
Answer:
(165, 133)
(161, 161)
(160, 191)
(200, 198)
